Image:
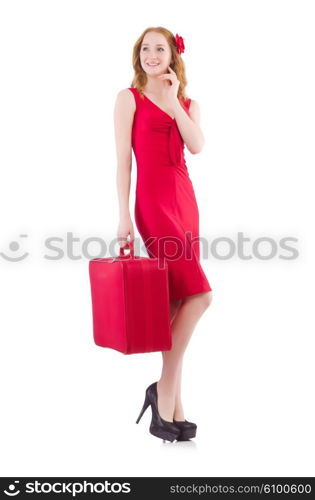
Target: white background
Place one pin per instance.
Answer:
(68, 406)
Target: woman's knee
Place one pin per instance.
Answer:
(174, 306)
(206, 299)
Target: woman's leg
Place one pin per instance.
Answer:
(185, 318)
(174, 307)
(178, 411)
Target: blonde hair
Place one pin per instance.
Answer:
(177, 64)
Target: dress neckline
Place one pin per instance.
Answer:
(157, 106)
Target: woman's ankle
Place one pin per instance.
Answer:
(178, 412)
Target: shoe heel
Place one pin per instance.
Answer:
(146, 403)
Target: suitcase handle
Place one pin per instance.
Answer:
(131, 250)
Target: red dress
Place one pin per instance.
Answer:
(166, 211)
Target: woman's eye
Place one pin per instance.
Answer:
(145, 48)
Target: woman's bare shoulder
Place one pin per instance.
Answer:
(126, 100)
(125, 94)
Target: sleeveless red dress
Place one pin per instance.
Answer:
(166, 211)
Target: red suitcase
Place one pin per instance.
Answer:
(130, 303)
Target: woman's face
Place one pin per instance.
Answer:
(155, 54)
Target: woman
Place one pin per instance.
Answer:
(155, 119)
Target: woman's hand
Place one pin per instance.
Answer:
(171, 86)
(125, 227)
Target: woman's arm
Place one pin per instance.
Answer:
(123, 119)
(189, 127)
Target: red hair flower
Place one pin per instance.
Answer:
(179, 44)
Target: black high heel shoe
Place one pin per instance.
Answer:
(188, 429)
(159, 427)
